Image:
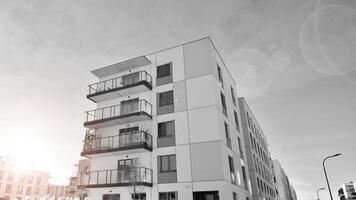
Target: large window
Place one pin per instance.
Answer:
(232, 170)
(237, 121)
(223, 103)
(227, 134)
(138, 196)
(234, 195)
(166, 129)
(168, 196)
(164, 70)
(8, 188)
(111, 196)
(233, 95)
(168, 163)
(240, 148)
(165, 98)
(28, 191)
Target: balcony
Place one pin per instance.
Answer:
(127, 112)
(118, 144)
(138, 176)
(133, 83)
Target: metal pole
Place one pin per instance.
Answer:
(326, 176)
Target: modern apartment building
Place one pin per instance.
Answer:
(285, 189)
(166, 127)
(347, 191)
(21, 184)
(258, 156)
(56, 191)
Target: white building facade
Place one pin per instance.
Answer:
(166, 127)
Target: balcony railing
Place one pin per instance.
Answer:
(119, 112)
(133, 140)
(117, 177)
(120, 83)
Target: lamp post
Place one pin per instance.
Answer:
(317, 192)
(326, 176)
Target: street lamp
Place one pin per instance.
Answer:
(317, 192)
(326, 176)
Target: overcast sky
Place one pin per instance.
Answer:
(293, 60)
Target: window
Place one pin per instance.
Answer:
(138, 196)
(234, 195)
(30, 180)
(237, 121)
(168, 196)
(240, 148)
(22, 178)
(111, 196)
(10, 176)
(227, 134)
(164, 70)
(244, 177)
(1, 174)
(166, 129)
(38, 181)
(233, 95)
(8, 188)
(168, 163)
(232, 170)
(19, 189)
(220, 73)
(165, 98)
(223, 103)
(28, 190)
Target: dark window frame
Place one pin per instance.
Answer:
(167, 98)
(159, 134)
(164, 72)
(169, 168)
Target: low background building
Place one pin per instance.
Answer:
(18, 183)
(347, 191)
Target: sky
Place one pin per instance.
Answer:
(294, 62)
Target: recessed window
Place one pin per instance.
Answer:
(220, 73)
(28, 190)
(166, 129)
(232, 170)
(8, 188)
(223, 103)
(138, 196)
(234, 196)
(164, 70)
(227, 134)
(237, 121)
(233, 98)
(165, 98)
(168, 196)
(168, 163)
(111, 196)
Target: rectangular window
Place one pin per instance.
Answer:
(8, 188)
(244, 177)
(128, 106)
(234, 195)
(164, 70)
(30, 180)
(1, 174)
(233, 95)
(10, 176)
(232, 170)
(223, 103)
(240, 148)
(166, 129)
(168, 163)
(237, 121)
(138, 196)
(28, 190)
(19, 189)
(38, 181)
(165, 98)
(168, 196)
(227, 134)
(22, 178)
(220, 73)
(111, 196)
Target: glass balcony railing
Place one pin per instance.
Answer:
(117, 177)
(121, 82)
(132, 140)
(126, 110)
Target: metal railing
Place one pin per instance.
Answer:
(118, 82)
(117, 110)
(117, 141)
(127, 176)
